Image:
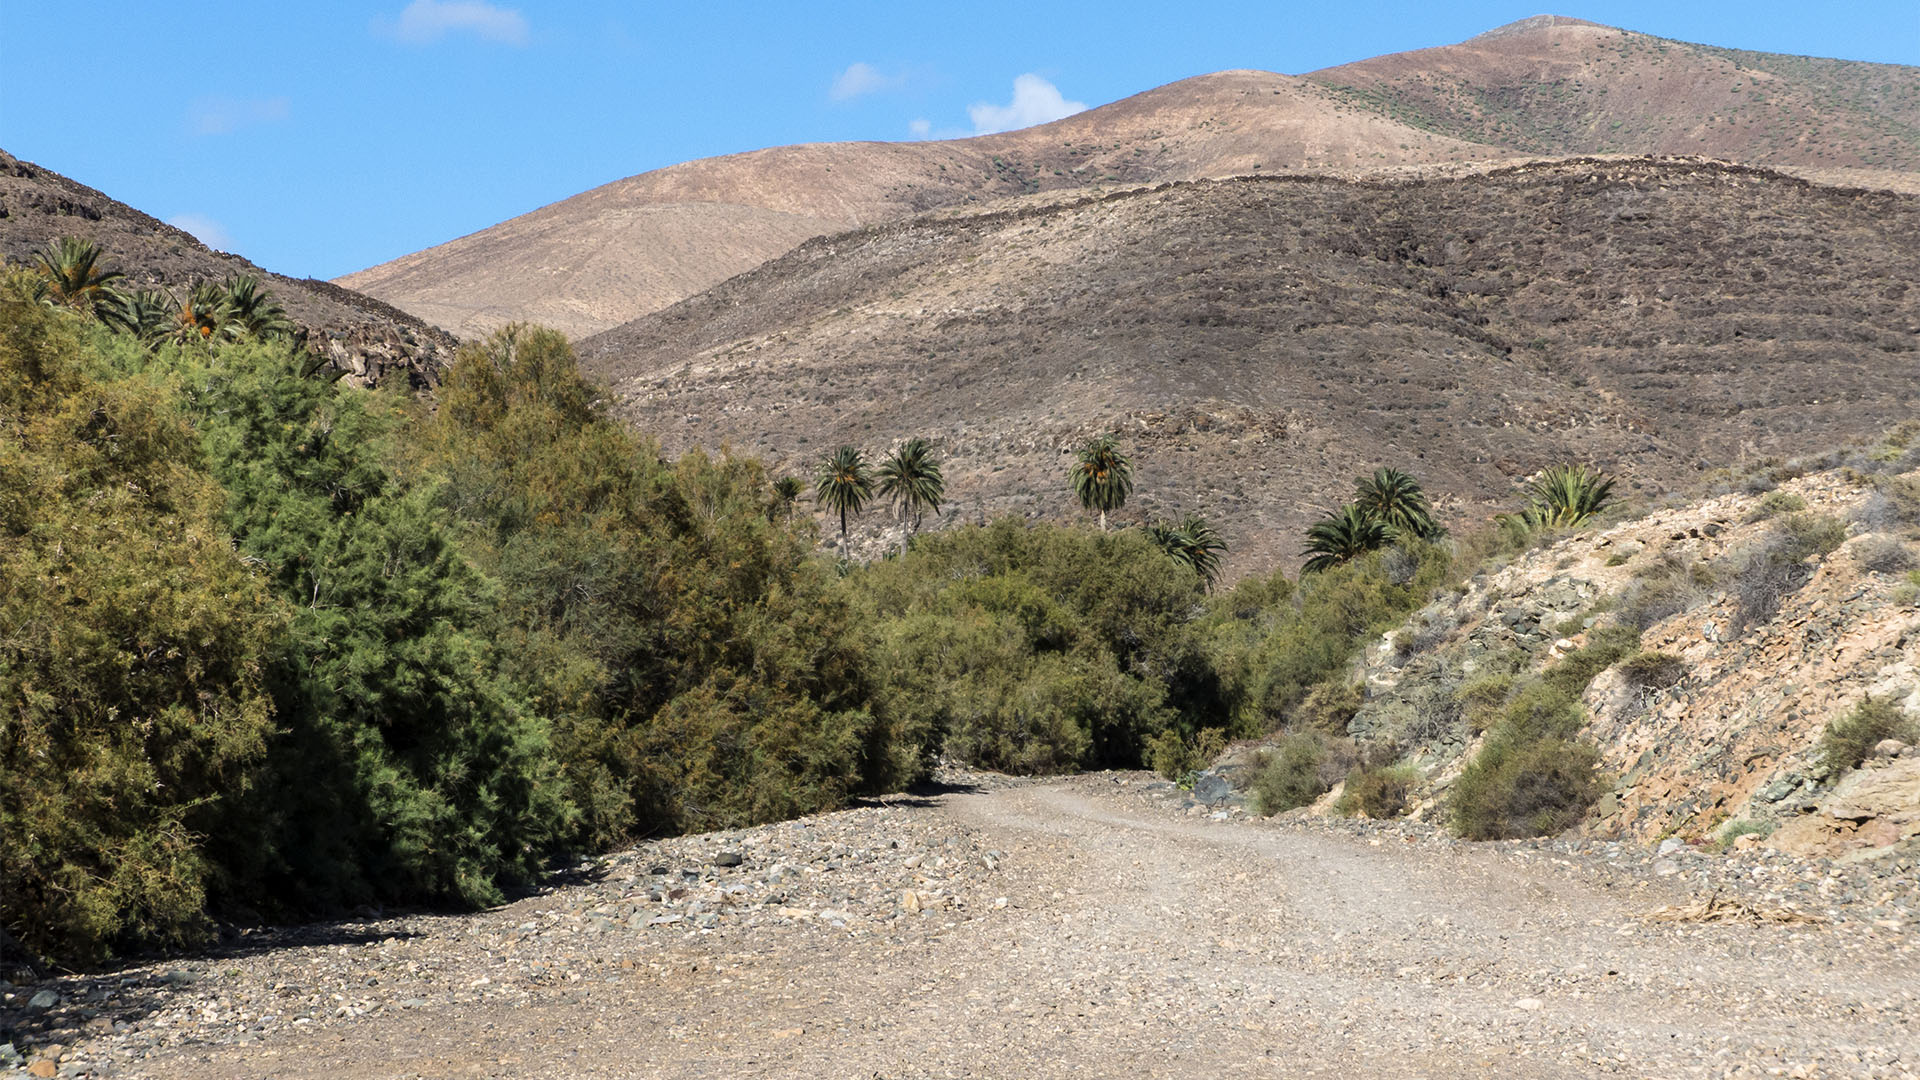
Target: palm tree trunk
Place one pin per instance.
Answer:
(1103, 521)
(843, 532)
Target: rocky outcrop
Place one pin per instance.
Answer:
(1727, 741)
(370, 340)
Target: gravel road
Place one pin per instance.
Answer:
(1083, 928)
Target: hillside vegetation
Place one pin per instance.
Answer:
(1258, 343)
(274, 644)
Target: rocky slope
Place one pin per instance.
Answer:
(1555, 85)
(1541, 86)
(1725, 746)
(1259, 343)
(369, 339)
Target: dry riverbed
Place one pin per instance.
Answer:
(1098, 926)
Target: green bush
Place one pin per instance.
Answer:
(1378, 792)
(700, 666)
(1176, 757)
(1289, 775)
(1329, 707)
(1534, 775)
(133, 651)
(1778, 502)
(1848, 740)
(1483, 699)
(1037, 648)
(1518, 787)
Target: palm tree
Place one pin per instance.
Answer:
(1101, 476)
(74, 276)
(252, 310)
(1567, 496)
(911, 477)
(844, 484)
(201, 316)
(1193, 543)
(1345, 534)
(1395, 499)
(786, 492)
(146, 314)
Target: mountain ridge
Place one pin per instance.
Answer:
(637, 244)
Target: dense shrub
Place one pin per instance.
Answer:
(1534, 774)
(1270, 663)
(1289, 775)
(133, 649)
(1482, 700)
(1378, 792)
(1038, 648)
(1329, 707)
(1848, 740)
(1176, 758)
(701, 668)
(1518, 787)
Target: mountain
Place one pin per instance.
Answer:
(1551, 85)
(636, 245)
(1260, 342)
(1543, 86)
(367, 337)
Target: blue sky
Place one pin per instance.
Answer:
(317, 139)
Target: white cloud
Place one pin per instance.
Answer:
(427, 21)
(204, 229)
(921, 128)
(863, 78)
(1035, 101)
(225, 115)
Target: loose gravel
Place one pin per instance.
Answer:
(1103, 925)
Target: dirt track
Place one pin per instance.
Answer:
(1136, 942)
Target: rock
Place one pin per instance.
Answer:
(179, 977)
(1888, 748)
(1529, 1004)
(1871, 808)
(1671, 844)
(43, 1067)
(728, 858)
(1666, 868)
(910, 902)
(1210, 788)
(42, 1001)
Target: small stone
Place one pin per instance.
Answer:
(1666, 868)
(179, 977)
(43, 1067)
(728, 858)
(42, 1001)
(1888, 748)
(1528, 1004)
(1671, 844)
(910, 901)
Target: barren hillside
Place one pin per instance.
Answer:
(1259, 343)
(1553, 85)
(636, 245)
(1544, 86)
(366, 336)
